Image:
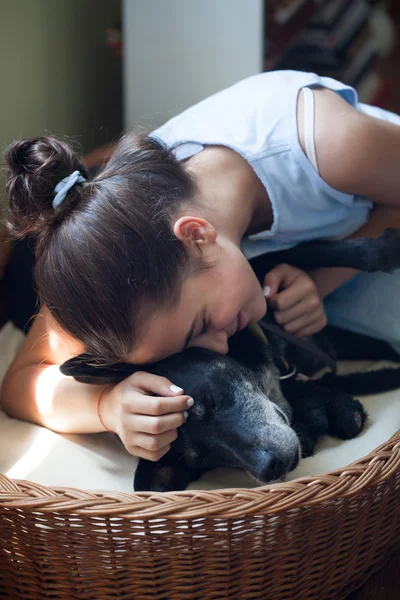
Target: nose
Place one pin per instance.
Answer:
(271, 467)
(217, 341)
(264, 465)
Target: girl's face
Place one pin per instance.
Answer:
(213, 305)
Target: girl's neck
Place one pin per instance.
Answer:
(234, 200)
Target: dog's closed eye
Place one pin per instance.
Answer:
(282, 415)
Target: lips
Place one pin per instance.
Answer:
(241, 321)
(240, 324)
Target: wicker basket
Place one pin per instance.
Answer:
(313, 538)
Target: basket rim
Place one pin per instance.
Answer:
(367, 472)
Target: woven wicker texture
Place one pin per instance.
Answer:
(313, 538)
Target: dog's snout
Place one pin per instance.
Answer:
(272, 467)
(296, 459)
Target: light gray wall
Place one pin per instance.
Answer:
(57, 76)
(177, 52)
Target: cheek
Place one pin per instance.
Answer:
(239, 289)
(245, 279)
(258, 307)
(241, 275)
(231, 286)
(254, 303)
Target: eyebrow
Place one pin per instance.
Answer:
(189, 335)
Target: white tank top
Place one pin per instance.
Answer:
(257, 117)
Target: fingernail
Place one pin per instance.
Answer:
(190, 402)
(175, 388)
(186, 414)
(266, 290)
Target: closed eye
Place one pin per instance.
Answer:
(191, 334)
(282, 415)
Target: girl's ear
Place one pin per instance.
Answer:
(190, 229)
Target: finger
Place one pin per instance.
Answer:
(147, 454)
(154, 405)
(154, 384)
(312, 329)
(300, 289)
(154, 443)
(157, 425)
(282, 275)
(306, 321)
(307, 305)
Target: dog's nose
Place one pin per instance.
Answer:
(271, 467)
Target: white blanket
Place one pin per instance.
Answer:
(100, 462)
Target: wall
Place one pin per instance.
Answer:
(57, 76)
(177, 52)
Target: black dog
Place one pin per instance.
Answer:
(245, 414)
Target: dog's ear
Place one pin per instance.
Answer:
(86, 369)
(165, 475)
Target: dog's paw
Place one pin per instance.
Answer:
(317, 422)
(307, 446)
(346, 417)
(306, 439)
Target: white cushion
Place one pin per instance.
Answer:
(100, 461)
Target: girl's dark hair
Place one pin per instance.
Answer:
(107, 256)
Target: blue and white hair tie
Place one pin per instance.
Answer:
(62, 188)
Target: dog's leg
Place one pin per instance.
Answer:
(165, 475)
(310, 419)
(365, 254)
(318, 410)
(325, 410)
(307, 441)
(361, 384)
(346, 415)
(355, 346)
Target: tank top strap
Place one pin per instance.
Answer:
(309, 117)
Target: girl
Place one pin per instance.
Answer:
(150, 256)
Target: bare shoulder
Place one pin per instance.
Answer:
(337, 124)
(354, 151)
(46, 343)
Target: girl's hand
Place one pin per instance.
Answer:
(295, 299)
(147, 424)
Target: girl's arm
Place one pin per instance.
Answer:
(34, 389)
(143, 409)
(356, 154)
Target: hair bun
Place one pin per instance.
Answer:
(35, 166)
